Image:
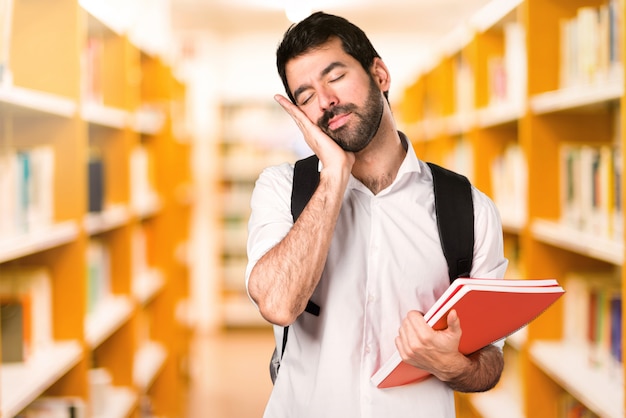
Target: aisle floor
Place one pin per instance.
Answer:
(229, 375)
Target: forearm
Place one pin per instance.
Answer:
(284, 279)
(482, 371)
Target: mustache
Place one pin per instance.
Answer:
(323, 121)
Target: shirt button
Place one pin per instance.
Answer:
(367, 349)
(371, 298)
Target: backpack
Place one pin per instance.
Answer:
(455, 221)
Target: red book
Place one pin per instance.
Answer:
(489, 310)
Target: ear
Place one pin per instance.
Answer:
(381, 75)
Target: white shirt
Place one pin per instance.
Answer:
(385, 259)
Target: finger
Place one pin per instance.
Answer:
(454, 323)
(297, 115)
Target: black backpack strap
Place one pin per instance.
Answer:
(455, 219)
(306, 177)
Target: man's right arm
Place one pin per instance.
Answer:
(283, 279)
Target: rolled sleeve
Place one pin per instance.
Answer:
(270, 218)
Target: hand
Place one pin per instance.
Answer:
(434, 351)
(330, 154)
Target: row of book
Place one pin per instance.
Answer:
(591, 198)
(507, 73)
(509, 184)
(26, 312)
(26, 298)
(27, 189)
(593, 318)
(591, 44)
(570, 407)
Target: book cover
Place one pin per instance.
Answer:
(489, 310)
(14, 323)
(32, 287)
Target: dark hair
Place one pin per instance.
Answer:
(316, 30)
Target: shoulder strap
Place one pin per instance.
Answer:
(306, 177)
(455, 219)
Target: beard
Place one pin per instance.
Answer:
(355, 139)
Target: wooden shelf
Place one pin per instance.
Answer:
(110, 315)
(562, 236)
(38, 240)
(500, 114)
(111, 218)
(120, 403)
(148, 121)
(105, 116)
(149, 360)
(21, 383)
(147, 285)
(578, 97)
(568, 365)
(491, 404)
(24, 101)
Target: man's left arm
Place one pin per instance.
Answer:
(438, 353)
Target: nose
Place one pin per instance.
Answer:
(327, 98)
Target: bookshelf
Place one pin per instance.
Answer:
(544, 140)
(94, 149)
(256, 134)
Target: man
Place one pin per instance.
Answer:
(365, 249)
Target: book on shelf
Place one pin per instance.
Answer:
(507, 74)
(92, 62)
(27, 189)
(100, 385)
(590, 45)
(142, 190)
(590, 189)
(98, 274)
(15, 328)
(26, 299)
(95, 178)
(509, 183)
(593, 317)
(489, 310)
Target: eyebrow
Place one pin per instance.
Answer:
(324, 72)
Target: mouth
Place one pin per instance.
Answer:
(338, 121)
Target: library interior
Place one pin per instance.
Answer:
(131, 136)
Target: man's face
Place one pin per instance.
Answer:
(334, 91)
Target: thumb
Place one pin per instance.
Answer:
(454, 323)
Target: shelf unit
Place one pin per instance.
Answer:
(529, 107)
(78, 86)
(255, 135)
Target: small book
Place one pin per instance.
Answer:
(489, 310)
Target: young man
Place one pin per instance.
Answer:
(365, 249)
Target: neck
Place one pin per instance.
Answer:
(377, 165)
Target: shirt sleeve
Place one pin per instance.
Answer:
(489, 261)
(270, 217)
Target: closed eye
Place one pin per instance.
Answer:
(306, 100)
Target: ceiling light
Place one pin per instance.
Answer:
(296, 10)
